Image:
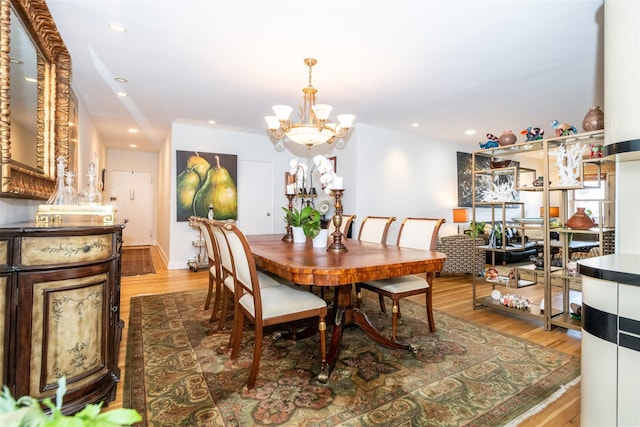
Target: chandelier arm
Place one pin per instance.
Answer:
(286, 125)
(278, 133)
(341, 132)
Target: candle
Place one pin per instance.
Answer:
(291, 189)
(337, 183)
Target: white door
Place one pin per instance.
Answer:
(132, 196)
(255, 197)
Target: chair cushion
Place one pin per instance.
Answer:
(266, 281)
(400, 284)
(282, 300)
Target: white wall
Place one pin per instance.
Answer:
(403, 174)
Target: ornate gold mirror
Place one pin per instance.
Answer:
(35, 70)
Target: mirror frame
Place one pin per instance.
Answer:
(54, 76)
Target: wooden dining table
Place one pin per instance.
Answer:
(303, 264)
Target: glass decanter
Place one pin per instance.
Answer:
(90, 195)
(70, 194)
(57, 198)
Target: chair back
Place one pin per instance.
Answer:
(207, 236)
(244, 266)
(226, 261)
(419, 233)
(344, 227)
(375, 228)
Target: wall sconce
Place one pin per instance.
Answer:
(460, 215)
(554, 212)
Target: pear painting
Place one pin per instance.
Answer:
(206, 179)
(218, 190)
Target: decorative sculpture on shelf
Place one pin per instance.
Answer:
(492, 142)
(532, 133)
(563, 129)
(568, 162)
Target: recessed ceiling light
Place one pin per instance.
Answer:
(31, 80)
(470, 132)
(133, 145)
(132, 130)
(117, 28)
(121, 79)
(123, 94)
(212, 122)
(415, 125)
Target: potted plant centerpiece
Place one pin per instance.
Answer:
(304, 222)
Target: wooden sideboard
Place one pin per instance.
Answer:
(60, 311)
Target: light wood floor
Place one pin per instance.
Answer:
(451, 294)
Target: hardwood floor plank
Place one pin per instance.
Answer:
(451, 294)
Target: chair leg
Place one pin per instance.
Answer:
(223, 310)
(382, 307)
(429, 303)
(255, 365)
(235, 338)
(394, 319)
(208, 300)
(217, 301)
(322, 328)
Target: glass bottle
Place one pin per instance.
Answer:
(90, 195)
(70, 194)
(57, 198)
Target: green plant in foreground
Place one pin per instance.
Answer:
(27, 412)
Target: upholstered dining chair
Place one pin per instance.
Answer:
(226, 271)
(265, 306)
(215, 276)
(344, 227)
(375, 228)
(416, 233)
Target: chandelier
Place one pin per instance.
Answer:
(313, 127)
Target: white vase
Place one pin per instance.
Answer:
(298, 235)
(320, 241)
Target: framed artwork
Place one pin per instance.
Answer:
(498, 188)
(334, 163)
(206, 180)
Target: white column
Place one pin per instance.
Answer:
(622, 111)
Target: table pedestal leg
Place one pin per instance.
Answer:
(346, 314)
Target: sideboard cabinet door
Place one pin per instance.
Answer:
(63, 329)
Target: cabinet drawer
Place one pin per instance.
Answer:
(65, 250)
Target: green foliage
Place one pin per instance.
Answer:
(476, 228)
(308, 218)
(27, 412)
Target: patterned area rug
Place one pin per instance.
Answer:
(137, 261)
(464, 374)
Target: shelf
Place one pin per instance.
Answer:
(532, 311)
(566, 321)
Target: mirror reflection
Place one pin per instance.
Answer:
(23, 93)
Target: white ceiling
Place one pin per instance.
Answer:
(448, 65)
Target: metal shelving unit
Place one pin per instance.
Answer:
(555, 283)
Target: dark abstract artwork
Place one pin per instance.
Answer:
(488, 188)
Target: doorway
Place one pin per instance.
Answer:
(132, 196)
(255, 197)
